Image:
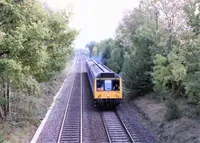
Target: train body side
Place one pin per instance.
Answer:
(105, 84)
(90, 74)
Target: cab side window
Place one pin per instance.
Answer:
(100, 85)
(115, 85)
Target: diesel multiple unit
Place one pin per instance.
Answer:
(106, 85)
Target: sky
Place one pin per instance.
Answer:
(96, 19)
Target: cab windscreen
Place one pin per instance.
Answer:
(108, 85)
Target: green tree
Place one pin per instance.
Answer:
(35, 43)
(90, 46)
(116, 58)
(192, 83)
(170, 72)
(138, 65)
(171, 57)
(104, 49)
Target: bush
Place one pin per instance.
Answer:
(172, 110)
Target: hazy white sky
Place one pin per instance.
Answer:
(96, 19)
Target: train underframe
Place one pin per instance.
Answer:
(107, 103)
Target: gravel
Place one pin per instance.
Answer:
(51, 129)
(133, 121)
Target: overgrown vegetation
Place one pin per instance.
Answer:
(35, 45)
(158, 46)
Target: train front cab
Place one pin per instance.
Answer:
(108, 91)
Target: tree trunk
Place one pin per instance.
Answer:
(2, 113)
(173, 87)
(178, 91)
(156, 20)
(8, 97)
(4, 96)
(170, 42)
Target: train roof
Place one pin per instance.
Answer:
(100, 70)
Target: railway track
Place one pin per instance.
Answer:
(115, 128)
(71, 129)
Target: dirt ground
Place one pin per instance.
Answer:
(183, 130)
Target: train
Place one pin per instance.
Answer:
(106, 85)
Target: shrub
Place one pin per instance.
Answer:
(172, 110)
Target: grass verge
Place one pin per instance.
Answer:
(185, 128)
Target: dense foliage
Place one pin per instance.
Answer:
(159, 47)
(35, 44)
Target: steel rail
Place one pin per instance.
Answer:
(67, 108)
(117, 128)
(81, 126)
(126, 129)
(104, 124)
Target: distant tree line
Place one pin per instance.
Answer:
(157, 48)
(35, 44)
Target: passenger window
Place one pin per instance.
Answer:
(108, 85)
(100, 85)
(115, 85)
